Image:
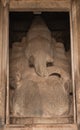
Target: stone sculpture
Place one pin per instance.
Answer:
(60, 57)
(18, 63)
(39, 75)
(50, 95)
(38, 53)
(38, 28)
(38, 50)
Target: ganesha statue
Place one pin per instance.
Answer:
(39, 74)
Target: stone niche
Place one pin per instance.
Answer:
(39, 65)
(40, 80)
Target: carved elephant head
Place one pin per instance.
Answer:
(38, 53)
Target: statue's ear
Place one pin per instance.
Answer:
(5, 2)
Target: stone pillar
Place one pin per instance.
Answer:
(75, 60)
(3, 61)
(76, 41)
(78, 88)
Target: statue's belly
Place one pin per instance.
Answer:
(43, 99)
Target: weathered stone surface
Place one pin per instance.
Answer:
(17, 69)
(38, 51)
(39, 75)
(61, 59)
(18, 64)
(42, 97)
(38, 28)
(5, 2)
